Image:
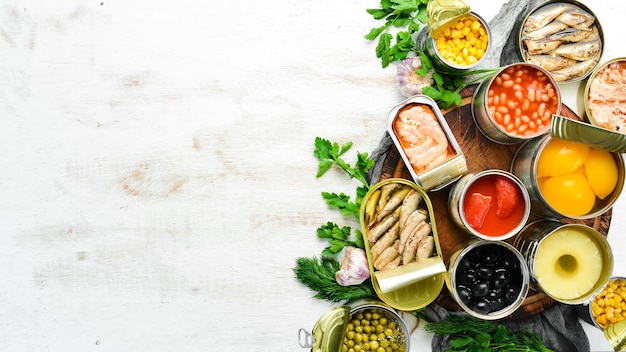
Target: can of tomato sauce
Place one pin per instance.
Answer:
(516, 103)
(492, 204)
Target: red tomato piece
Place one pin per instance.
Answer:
(507, 197)
(476, 209)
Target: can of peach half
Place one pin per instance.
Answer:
(568, 262)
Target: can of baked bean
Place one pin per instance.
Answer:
(516, 103)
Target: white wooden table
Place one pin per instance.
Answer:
(158, 178)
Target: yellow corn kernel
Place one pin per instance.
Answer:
(484, 46)
(475, 26)
(601, 320)
(472, 59)
(618, 299)
(466, 31)
(482, 31)
(459, 25)
(468, 23)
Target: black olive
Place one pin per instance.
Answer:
(496, 304)
(511, 293)
(494, 294)
(501, 278)
(465, 294)
(481, 307)
(484, 272)
(467, 278)
(510, 261)
(465, 263)
(480, 289)
(492, 257)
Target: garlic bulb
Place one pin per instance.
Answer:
(354, 269)
(410, 82)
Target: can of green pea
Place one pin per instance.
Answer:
(367, 324)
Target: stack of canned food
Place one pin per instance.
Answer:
(525, 225)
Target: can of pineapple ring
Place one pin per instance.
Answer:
(569, 262)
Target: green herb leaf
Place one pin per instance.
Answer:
(338, 238)
(319, 276)
(406, 15)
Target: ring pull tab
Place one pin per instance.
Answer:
(305, 339)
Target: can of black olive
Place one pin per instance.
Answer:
(488, 279)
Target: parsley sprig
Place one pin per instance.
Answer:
(405, 15)
(329, 154)
(319, 275)
(338, 238)
(448, 85)
(476, 335)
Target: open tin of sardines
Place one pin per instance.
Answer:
(403, 251)
(425, 142)
(344, 327)
(563, 37)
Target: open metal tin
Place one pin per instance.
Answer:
(331, 328)
(411, 285)
(425, 142)
(604, 108)
(569, 262)
(543, 51)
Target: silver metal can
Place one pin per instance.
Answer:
(491, 273)
(516, 103)
(586, 310)
(525, 164)
(507, 226)
(539, 50)
(330, 330)
(444, 63)
(568, 262)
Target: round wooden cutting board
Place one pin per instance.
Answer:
(481, 154)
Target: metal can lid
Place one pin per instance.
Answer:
(584, 133)
(442, 12)
(329, 330)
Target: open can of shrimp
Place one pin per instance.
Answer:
(425, 143)
(563, 37)
(345, 327)
(401, 243)
(601, 97)
(569, 262)
(460, 44)
(606, 307)
(516, 103)
(567, 179)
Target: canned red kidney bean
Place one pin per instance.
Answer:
(522, 100)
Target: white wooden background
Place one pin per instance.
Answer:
(158, 179)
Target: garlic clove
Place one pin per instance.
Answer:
(409, 82)
(354, 269)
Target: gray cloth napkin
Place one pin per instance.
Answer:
(558, 327)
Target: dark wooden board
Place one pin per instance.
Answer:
(481, 154)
